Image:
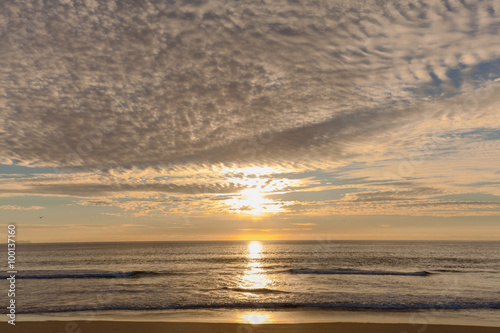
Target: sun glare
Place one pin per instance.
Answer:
(254, 249)
(252, 202)
(254, 277)
(255, 318)
(258, 185)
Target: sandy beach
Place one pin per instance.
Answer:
(171, 327)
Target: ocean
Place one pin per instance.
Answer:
(149, 277)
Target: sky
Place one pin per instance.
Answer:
(264, 119)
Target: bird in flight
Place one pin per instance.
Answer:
(40, 217)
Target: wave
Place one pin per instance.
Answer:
(277, 305)
(451, 271)
(90, 275)
(354, 272)
(465, 271)
(255, 290)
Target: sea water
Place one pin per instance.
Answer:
(378, 276)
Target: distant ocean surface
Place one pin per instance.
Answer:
(322, 274)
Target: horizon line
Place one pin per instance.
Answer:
(264, 240)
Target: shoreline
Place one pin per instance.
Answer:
(189, 327)
(280, 316)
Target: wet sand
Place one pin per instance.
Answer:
(174, 327)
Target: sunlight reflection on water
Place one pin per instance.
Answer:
(254, 277)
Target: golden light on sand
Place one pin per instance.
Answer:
(255, 318)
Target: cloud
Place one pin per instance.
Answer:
(81, 226)
(95, 202)
(98, 189)
(457, 204)
(269, 230)
(153, 84)
(11, 207)
(410, 194)
(112, 214)
(166, 108)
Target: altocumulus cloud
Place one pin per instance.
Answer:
(105, 83)
(150, 85)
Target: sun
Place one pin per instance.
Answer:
(253, 199)
(252, 202)
(259, 188)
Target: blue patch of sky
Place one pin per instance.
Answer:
(454, 74)
(19, 169)
(436, 81)
(447, 5)
(488, 70)
(477, 75)
(487, 134)
(336, 177)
